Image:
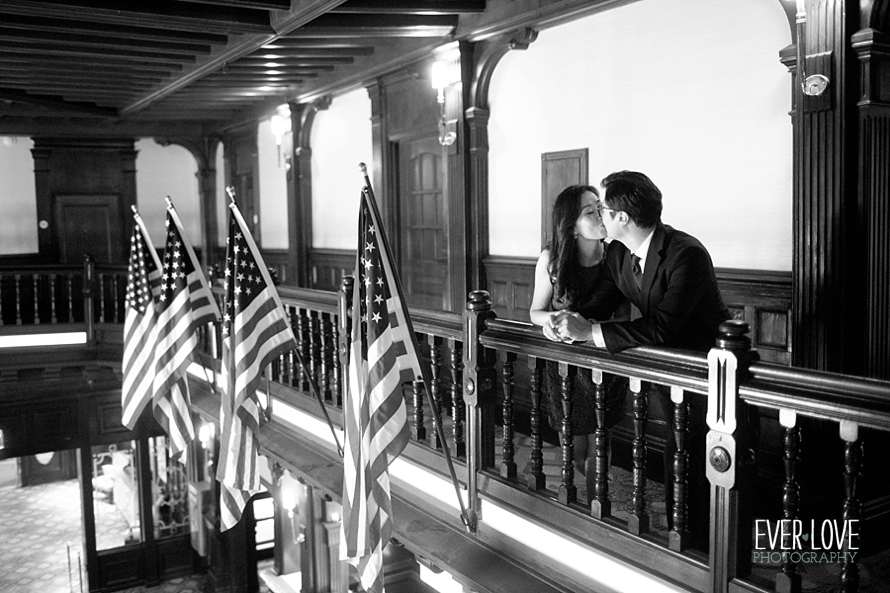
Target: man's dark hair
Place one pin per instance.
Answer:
(634, 193)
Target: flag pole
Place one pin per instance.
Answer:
(469, 523)
(300, 360)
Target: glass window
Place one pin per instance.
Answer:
(169, 491)
(116, 495)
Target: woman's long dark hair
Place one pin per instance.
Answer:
(564, 266)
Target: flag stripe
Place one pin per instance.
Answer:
(255, 332)
(140, 326)
(382, 357)
(184, 304)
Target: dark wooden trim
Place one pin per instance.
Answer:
(328, 266)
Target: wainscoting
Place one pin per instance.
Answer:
(763, 299)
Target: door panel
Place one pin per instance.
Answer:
(89, 224)
(423, 229)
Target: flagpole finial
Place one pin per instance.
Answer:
(230, 189)
(169, 202)
(363, 168)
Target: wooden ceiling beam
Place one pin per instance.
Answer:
(97, 63)
(96, 52)
(307, 52)
(157, 14)
(261, 70)
(419, 7)
(108, 31)
(252, 4)
(78, 74)
(292, 62)
(13, 35)
(55, 102)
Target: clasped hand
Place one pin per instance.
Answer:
(567, 326)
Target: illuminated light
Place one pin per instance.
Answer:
(205, 433)
(407, 476)
(442, 581)
(32, 340)
(267, 88)
(275, 72)
(273, 65)
(612, 573)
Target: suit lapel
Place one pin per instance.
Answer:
(653, 262)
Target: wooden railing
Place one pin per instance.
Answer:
(54, 295)
(779, 444)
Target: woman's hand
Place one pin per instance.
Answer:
(570, 326)
(550, 327)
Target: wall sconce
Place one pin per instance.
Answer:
(289, 502)
(281, 129)
(440, 80)
(815, 84)
(206, 434)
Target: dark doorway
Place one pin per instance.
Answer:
(423, 230)
(89, 225)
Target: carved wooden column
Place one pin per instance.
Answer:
(828, 279)
(485, 57)
(727, 466)
(872, 47)
(299, 190)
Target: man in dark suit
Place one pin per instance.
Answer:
(668, 276)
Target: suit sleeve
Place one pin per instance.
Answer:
(687, 280)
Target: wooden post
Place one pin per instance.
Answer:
(730, 537)
(89, 268)
(479, 393)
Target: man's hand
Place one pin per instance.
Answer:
(550, 328)
(570, 326)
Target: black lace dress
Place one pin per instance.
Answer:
(583, 387)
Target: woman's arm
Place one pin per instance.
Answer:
(540, 312)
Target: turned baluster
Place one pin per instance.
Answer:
(18, 299)
(327, 355)
(52, 299)
(508, 464)
(568, 492)
(69, 285)
(639, 520)
(101, 298)
(457, 400)
(535, 478)
(436, 396)
(314, 349)
(418, 430)
(787, 580)
(115, 300)
(335, 386)
(849, 432)
(35, 278)
(678, 538)
(600, 505)
(302, 335)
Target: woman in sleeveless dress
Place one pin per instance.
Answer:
(565, 276)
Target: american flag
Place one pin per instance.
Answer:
(184, 304)
(140, 325)
(255, 332)
(383, 355)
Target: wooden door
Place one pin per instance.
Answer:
(423, 228)
(89, 225)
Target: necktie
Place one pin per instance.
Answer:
(638, 272)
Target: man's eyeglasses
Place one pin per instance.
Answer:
(600, 209)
